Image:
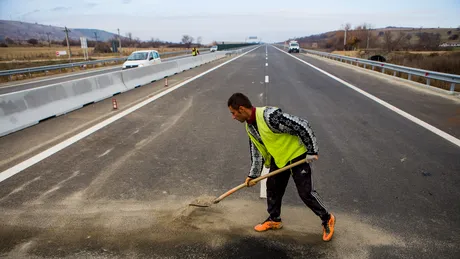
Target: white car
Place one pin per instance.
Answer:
(294, 47)
(142, 58)
(213, 48)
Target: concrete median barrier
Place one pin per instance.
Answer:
(22, 109)
(145, 75)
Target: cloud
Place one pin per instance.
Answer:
(32, 12)
(60, 8)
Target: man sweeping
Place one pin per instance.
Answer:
(277, 139)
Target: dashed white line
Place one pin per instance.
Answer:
(266, 79)
(266, 64)
(263, 184)
(387, 105)
(47, 153)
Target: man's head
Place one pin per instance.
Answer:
(240, 107)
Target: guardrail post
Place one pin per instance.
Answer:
(452, 87)
(364, 65)
(409, 77)
(428, 81)
(10, 78)
(383, 70)
(394, 73)
(373, 67)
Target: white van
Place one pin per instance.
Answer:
(142, 58)
(294, 46)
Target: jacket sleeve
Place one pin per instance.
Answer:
(257, 161)
(280, 122)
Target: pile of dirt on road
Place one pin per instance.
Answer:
(121, 228)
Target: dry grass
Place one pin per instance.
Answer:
(346, 53)
(448, 62)
(46, 53)
(443, 63)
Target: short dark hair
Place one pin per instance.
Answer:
(237, 100)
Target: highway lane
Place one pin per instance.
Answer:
(123, 191)
(441, 111)
(70, 76)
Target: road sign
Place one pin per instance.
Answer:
(84, 43)
(61, 53)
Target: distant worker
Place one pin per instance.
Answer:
(195, 52)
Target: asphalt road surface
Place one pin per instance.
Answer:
(123, 190)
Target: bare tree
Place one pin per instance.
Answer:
(187, 40)
(429, 41)
(405, 42)
(388, 40)
(129, 35)
(391, 41)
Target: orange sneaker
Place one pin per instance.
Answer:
(328, 228)
(268, 224)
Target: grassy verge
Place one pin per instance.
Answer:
(49, 53)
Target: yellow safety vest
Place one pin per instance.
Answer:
(282, 146)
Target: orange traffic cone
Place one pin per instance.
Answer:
(114, 103)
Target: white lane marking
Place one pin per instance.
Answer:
(266, 64)
(406, 115)
(39, 157)
(266, 58)
(20, 188)
(263, 184)
(266, 79)
(105, 153)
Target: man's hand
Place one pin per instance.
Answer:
(311, 158)
(249, 183)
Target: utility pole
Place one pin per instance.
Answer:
(368, 32)
(345, 39)
(49, 42)
(95, 35)
(67, 39)
(119, 42)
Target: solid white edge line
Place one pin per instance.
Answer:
(412, 118)
(263, 184)
(266, 79)
(266, 64)
(39, 157)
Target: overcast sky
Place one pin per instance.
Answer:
(231, 20)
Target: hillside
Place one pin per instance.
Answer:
(23, 31)
(392, 38)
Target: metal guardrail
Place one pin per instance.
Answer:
(451, 78)
(77, 64)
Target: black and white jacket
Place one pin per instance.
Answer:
(280, 122)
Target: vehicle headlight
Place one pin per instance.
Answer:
(141, 65)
